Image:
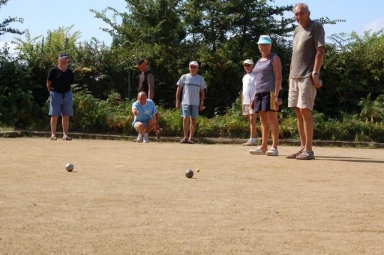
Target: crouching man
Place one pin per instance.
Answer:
(146, 117)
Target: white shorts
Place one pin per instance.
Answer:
(247, 109)
(302, 93)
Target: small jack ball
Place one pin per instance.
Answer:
(189, 173)
(69, 167)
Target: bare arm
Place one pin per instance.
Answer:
(157, 120)
(318, 63)
(49, 85)
(178, 92)
(135, 111)
(151, 85)
(202, 97)
(277, 71)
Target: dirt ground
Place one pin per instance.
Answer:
(128, 198)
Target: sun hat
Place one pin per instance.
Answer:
(248, 61)
(264, 39)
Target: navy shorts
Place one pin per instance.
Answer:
(266, 102)
(61, 104)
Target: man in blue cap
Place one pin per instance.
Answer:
(59, 82)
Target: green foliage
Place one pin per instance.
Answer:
(353, 69)
(101, 116)
(170, 33)
(17, 104)
(4, 25)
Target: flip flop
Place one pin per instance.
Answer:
(67, 138)
(191, 141)
(184, 140)
(53, 138)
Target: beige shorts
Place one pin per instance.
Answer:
(247, 110)
(302, 93)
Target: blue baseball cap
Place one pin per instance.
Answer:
(264, 39)
(63, 55)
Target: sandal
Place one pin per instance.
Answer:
(67, 138)
(184, 140)
(295, 154)
(191, 141)
(53, 138)
(306, 155)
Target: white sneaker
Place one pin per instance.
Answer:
(250, 142)
(139, 138)
(146, 138)
(272, 152)
(257, 151)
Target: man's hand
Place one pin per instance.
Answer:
(278, 101)
(158, 130)
(135, 112)
(201, 107)
(177, 105)
(252, 104)
(316, 81)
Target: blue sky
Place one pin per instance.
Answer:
(43, 15)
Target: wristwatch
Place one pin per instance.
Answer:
(314, 72)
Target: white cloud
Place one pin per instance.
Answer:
(374, 25)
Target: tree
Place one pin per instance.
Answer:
(4, 25)
(353, 69)
(151, 30)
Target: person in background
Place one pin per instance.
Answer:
(249, 87)
(307, 59)
(268, 77)
(193, 87)
(146, 117)
(146, 79)
(59, 82)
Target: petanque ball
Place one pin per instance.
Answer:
(189, 173)
(69, 167)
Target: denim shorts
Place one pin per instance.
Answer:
(189, 111)
(60, 104)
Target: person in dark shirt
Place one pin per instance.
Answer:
(59, 82)
(147, 79)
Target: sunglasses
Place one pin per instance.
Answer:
(193, 67)
(247, 65)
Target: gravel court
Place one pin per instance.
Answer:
(128, 198)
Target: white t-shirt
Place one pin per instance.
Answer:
(191, 88)
(249, 87)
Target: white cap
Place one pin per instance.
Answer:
(248, 61)
(194, 63)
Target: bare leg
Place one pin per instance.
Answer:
(186, 126)
(264, 130)
(300, 127)
(308, 128)
(65, 123)
(192, 128)
(139, 127)
(272, 117)
(252, 125)
(53, 125)
(151, 124)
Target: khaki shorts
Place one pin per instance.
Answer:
(247, 109)
(302, 93)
